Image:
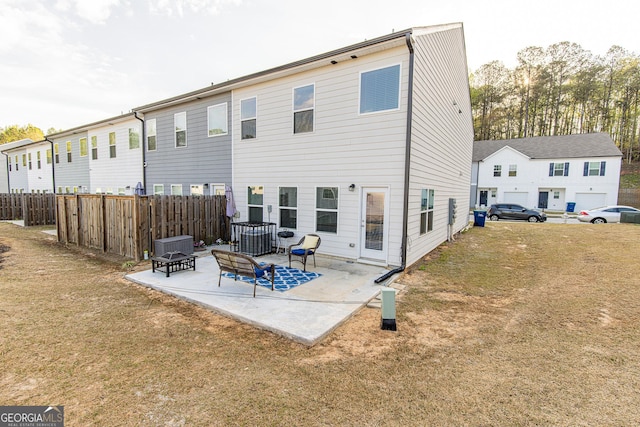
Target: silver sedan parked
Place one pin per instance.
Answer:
(604, 214)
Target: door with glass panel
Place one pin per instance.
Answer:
(373, 223)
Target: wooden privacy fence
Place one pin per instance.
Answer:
(33, 208)
(629, 197)
(128, 225)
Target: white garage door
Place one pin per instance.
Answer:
(589, 200)
(516, 197)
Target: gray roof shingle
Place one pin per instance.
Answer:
(552, 147)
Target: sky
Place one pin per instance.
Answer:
(67, 63)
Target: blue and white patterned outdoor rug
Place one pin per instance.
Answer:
(286, 278)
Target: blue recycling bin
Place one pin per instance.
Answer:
(571, 206)
(478, 218)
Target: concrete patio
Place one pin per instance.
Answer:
(305, 314)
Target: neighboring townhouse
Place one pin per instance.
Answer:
(70, 161)
(102, 157)
(369, 146)
(188, 144)
(29, 168)
(547, 172)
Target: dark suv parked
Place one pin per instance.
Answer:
(513, 211)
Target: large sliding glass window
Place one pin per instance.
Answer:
(380, 90)
(255, 198)
(248, 117)
(327, 209)
(288, 203)
(303, 107)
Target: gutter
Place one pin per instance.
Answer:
(53, 164)
(407, 164)
(144, 153)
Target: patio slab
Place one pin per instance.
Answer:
(305, 314)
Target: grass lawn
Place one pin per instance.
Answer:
(511, 324)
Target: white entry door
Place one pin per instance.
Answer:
(374, 223)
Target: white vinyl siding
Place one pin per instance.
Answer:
(442, 137)
(345, 147)
(123, 170)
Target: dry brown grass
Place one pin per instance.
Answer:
(513, 324)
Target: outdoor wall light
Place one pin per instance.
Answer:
(352, 187)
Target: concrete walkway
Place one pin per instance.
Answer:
(305, 314)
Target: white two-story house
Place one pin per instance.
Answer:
(550, 172)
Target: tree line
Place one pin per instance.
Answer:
(561, 90)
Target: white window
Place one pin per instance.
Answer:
(559, 169)
(56, 151)
(121, 191)
(196, 189)
(380, 89)
(158, 189)
(248, 115)
(303, 108)
(94, 148)
(134, 138)
(68, 152)
(217, 119)
(176, 189)
(49, 156)
(513, 170)
(556, 195)
(30, 164)
(180, 125)
(327, 209)
(594, 168)
(112, 145)
(288, 203)
(216, 189)
(83, 147)
(38, 159)
(255, 198)
(497, 170)
(151, 134)
(426, 211)
(98, 190)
